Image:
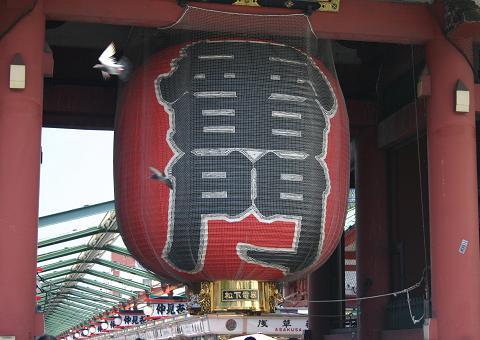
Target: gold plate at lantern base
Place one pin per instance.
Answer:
(239, 295)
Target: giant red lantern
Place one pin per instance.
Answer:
(252, 137)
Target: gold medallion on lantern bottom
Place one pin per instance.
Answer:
(239, 295)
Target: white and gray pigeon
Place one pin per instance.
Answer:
(110, 66)
(160, 176)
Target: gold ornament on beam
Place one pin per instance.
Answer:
(248, 296)
(320, 5)
(252, 3)
(205, 298)
(275, 297)
(329, 5)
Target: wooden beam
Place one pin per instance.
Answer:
(350, 255)
(367, 20)
(361, 20)
(402, 125)
(11, 11)
(469, 30)
(79, 106)
(361, 113)
(146, 13)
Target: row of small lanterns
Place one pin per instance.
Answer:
(147, 310)
(92, 329)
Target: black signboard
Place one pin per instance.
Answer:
(237, 295)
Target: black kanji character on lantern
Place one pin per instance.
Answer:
(135, 320)
(127, 319)
(234, 156)
(142, 319)
(287, 323)
(171, 309)
(262, 323)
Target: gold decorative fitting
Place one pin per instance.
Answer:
(238, 296)
(205, 298)
(275, 297)
(329, 5)
(246, 3)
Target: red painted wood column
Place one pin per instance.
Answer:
(327, 283)
(20, 129)
(372, 233)
(453, 196)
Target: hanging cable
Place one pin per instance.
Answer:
(420, 180)
(420, 176)
(395, 293)
(414, 320)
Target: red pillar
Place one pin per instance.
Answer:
(327, 283)
(453, 196)
(20, 128)
(372, 233)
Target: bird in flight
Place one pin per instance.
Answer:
(110, 66)
(160, 176)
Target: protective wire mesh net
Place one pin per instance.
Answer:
(246, 115)
(290, 29)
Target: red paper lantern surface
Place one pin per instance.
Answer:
(253, 140)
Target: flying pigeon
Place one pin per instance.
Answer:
(160, 176)
(110, 66)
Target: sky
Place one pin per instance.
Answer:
(77, 169)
